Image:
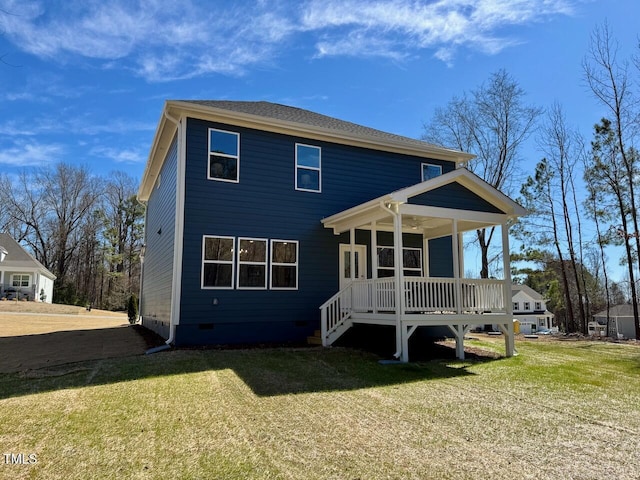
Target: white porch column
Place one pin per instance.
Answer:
(509, 338)
(455, 248)
(399, 278)
(374, 265)
(374, 251)
(425, 256)
(461, 255)
(352, 254)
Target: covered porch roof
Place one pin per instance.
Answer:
(420, 215)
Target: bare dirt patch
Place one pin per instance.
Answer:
(37, 335)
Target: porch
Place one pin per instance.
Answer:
(409, 301)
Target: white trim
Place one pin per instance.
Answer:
(278, 264)
(244, 262)
(231, 262)
(304, 167)
(178, 239)
(426, 164)
(224, 155)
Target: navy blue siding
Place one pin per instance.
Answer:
(454, 195)
(264, 204)
(157, 280)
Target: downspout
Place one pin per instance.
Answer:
(400, 282)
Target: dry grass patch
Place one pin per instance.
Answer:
(555, 411)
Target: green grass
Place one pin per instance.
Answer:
(557, 410)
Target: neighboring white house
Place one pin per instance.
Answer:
(21, 275)
(530, 310)
(620, 321)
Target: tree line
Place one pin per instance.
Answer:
(583, 195)
(85, 229)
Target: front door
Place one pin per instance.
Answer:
(360, 261)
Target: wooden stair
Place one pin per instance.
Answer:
(315, 339)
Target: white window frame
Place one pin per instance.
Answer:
(304, 167)
(516, 306)
(439, 167)
(527, 306)
(278, 264)
(231, 262)
(209, 153)
(404, 269)
(21, 277)
(538, 305)
(244, 262)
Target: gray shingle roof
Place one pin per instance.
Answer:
(515, 288)
(306, 117)
(624, 310)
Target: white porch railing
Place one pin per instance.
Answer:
(422, 295)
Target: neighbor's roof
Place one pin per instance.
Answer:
(624, 310)
(515, 288)
(284, 119)
(18, 259)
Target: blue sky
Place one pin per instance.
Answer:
(84, 81)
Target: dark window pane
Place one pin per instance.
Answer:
(223, 167)
(217, 275)
(308, 179)
(223, 142)
(284, 252)
(385, 257)
(384, 273)
(253, 251)
(218, 248)
(283, 276)
(411, 259)
(252, 276)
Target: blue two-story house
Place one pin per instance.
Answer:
(266, 222)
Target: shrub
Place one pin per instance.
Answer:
(132, 309)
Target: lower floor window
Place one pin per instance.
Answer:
(218, 258)
(245, 263)
(284, 264)
(20, 280)
(411, 260)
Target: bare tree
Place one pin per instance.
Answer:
(491, 122)
(609, 81)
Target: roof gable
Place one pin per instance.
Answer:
(526, 290)
(18, 258)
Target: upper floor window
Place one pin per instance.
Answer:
(516, 306)
(527, 306)
(430, 171)
(224, 155)
(218, 255)
(308, 168)
(538, 305)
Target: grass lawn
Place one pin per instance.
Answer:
(559, 410)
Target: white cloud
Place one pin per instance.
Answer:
(118, 155)
(164, 39)
(30, 154)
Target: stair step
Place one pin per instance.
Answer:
(313, 340)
